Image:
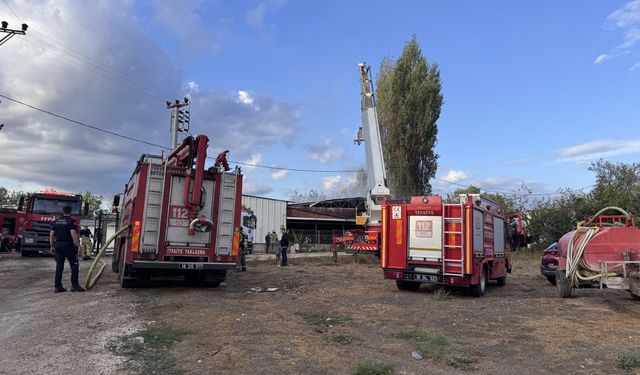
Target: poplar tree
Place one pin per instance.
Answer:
(409, 101)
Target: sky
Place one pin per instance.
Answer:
(534, 91)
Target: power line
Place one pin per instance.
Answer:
(93, 65)
(96, 128)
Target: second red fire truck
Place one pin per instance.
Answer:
(426, 240)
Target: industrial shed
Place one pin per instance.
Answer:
(270, 213)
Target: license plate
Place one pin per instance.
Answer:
(421, 277)
(191, 266)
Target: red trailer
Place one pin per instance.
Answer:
(603, 250)
(183, 218)
(428, 241)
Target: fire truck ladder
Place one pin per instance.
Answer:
(226, 209)
(153, 208)
(453, 257)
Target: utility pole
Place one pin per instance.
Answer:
(4, 28)
(179, 119)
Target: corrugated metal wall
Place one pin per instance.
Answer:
(270, 214)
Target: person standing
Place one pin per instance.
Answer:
(63, 240)
(284, 245)
(267, 242)
(243, 251)
(274, 244)
(86, 246)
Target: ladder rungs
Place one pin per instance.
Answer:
(454, 246)
(454, 232)
(454, 260)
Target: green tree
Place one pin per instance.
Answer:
(95, 203)
(617, 185)
(409, 102)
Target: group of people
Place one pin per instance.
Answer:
(278, 247)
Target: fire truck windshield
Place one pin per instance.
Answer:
(249, 221)
(42, 205)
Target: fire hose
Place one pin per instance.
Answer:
(574, 254)
(90, 281)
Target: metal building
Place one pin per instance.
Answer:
(270, 213)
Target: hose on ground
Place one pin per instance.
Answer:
(90, 282)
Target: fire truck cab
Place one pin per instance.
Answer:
(460, 244)
(183, 219)
(35, 214)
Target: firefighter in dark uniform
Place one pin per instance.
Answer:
(63, 239)
(243, 251)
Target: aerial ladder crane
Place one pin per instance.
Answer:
(367, 240)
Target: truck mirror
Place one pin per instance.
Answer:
(116, 200)
(86, 209)
(21, 204)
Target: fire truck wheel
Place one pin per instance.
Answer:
(122, 275)
(478, 289)
(115, 260)
(502, 280)
(407, 285)
(563, 284)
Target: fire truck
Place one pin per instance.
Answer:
(249, 221)
(183, 218)
(36, 212)
(426, 240)
(8, 229)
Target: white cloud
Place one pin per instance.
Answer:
(635, 67)
(599, 149)
(601, 58)
(244, 97)
(331, 182)
(256, 17)
(455, 176)
(254, 159)
(250, 187)
(627, 20)
(134, 75)
(279, 174)
(325, 151)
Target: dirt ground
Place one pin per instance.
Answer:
(325, 318)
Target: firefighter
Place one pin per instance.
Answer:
(284, 246)
(243, 251)
(86, 247)
(274, 245)
(267, 242)
(63, 240)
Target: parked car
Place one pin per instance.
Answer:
(549, 262)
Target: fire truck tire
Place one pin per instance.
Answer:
(115, 261)
(563, 284)
(122, 275)
(502, 280)
(407, 285)
(478, 289)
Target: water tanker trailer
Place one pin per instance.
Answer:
(603, 250)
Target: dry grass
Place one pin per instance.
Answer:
(527, 261)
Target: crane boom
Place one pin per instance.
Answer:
(369, 133)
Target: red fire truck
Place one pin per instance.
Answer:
(183, 218)
(8, 229)
(428, 241)
(36, 212)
